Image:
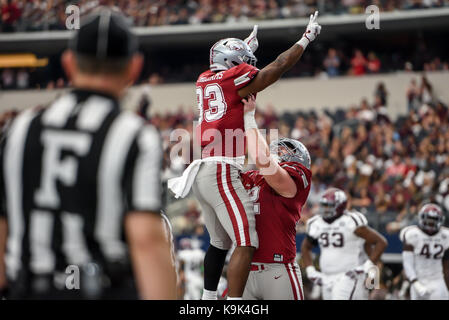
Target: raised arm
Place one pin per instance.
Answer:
(259, 152)
(284, 62)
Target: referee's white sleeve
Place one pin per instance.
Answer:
(146, 181)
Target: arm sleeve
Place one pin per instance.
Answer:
(311, 231)
(403, 235)
(143, 190)
(358, 218)
(312, 240)
(243, 74)
(408, 259)
(298, 174)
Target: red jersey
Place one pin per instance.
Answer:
(220, 127)
(277, 216)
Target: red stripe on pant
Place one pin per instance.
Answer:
(297, 280)
(242, 211)
(292, 282)
(228, 205)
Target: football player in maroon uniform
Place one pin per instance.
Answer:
(278, 189)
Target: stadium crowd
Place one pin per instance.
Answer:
(33, 15)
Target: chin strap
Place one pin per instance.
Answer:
(217, 67)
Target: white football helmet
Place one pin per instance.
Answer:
(230, 52)
(290, 150)
(430, 218)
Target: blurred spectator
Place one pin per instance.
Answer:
(8, 79)
(358, 63)
(413, 96)
(373, 64)
(10, 15)
(426, 91)
(332, 63)
(22, 79)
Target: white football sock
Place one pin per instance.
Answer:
(234, 298)
(209, 295)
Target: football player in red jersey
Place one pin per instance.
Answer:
(278, 190)
(227, 209)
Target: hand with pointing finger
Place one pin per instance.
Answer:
(312, 31)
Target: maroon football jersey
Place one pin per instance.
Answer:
(277, 216)
(220, 128)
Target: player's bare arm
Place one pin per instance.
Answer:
(3, 237)
(151, 254)
(307, 261)
(306, 252)
(284, 62)
(258, 151)
(374, 240)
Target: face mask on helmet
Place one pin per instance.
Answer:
(332, 203)
(430, 224)
(327, 210)
(430, 218)
(289, 150)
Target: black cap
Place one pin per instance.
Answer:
(105, 33)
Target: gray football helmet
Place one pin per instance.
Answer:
(230, 52)
(290, 150)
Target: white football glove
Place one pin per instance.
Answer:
(365, 268)
(252, 41)
(249, 119)
(420, 289)
(312, 31)
(315, 276)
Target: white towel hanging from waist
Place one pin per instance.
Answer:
(181, 186)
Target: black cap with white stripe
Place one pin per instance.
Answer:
(106, 33)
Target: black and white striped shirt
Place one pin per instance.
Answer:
(69, 174)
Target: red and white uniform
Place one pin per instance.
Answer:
(226, 207)
(274, 272)
(220, 127)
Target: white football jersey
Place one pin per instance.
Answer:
(428, 250)
(193, 260)
(341, 250)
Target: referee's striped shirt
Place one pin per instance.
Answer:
(69, 174)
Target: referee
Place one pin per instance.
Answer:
(80, 183)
